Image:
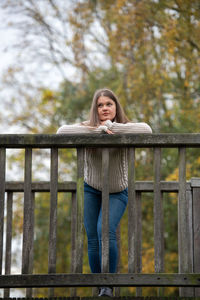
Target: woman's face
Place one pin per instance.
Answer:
(106, 108)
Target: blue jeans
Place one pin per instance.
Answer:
(93, 221)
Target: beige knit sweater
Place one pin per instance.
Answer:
(118, 164)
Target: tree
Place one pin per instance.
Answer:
(152, 45)
(146, 51)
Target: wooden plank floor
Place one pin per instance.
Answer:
(97, 298)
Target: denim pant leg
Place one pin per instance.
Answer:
(92, 206)
(93, 221)
(117, 205)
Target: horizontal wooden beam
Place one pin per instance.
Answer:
(70, 186)
(40, 186)
(101, 140)
(77, 280)
(44, 186)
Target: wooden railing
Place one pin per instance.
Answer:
(188, 278)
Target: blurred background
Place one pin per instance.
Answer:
(54, 55)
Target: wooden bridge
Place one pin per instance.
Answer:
(188, 277)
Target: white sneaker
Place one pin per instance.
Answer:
(106, 291)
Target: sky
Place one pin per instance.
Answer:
(7, 37)
(44, 74)
(7, 59)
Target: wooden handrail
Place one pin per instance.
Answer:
(188, 193)
(164, 140)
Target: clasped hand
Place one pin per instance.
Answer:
(108, 131)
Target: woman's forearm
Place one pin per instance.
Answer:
(128, 127)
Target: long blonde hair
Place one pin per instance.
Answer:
(120, 115)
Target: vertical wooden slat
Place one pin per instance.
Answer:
(134, 222)
(27, 238)
(183, 228)
(182, 214)
(190, 290)
(131, 211)
(95, 291)
(8, 239)
(53, 214)
(28, 225)
(73, 238)
(30, 290)
(138, 241)
(196, 228)
(2, 200)
(80, 203)
(189, 197)
(158, 214)
(118, 234)
(105, 211)
(73, 231)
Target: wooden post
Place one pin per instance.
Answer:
(73, 238)
(190, 290)
(53, 215)
(80, 204)
(8, 254)
(105, 212)
(28, 230)
(2, 200)
(158, 214)
(138, 241)
(29, 290)
(195, 184)
(183, 223)
(118, 234)
(27, 212)
(134, 221)
(158, 217)
(131, 211)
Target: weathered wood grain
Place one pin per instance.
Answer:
(73, 237)
(53, 214)
(131, 211)
(182, 214)
(118, 235)
(183, 220)
(76, 280)
(189, 196)
(105, 212)
(8, 254)
(69, 186)
(102, 140)
(27, 224)
(138, 241)
(53, 211)
(196, 228)
(2, 200)
(80, 205)
(158, 214)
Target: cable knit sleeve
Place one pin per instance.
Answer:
(128, 127)
(79, 128)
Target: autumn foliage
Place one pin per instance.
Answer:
(148, 52)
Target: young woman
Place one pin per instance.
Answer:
(106, 115)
